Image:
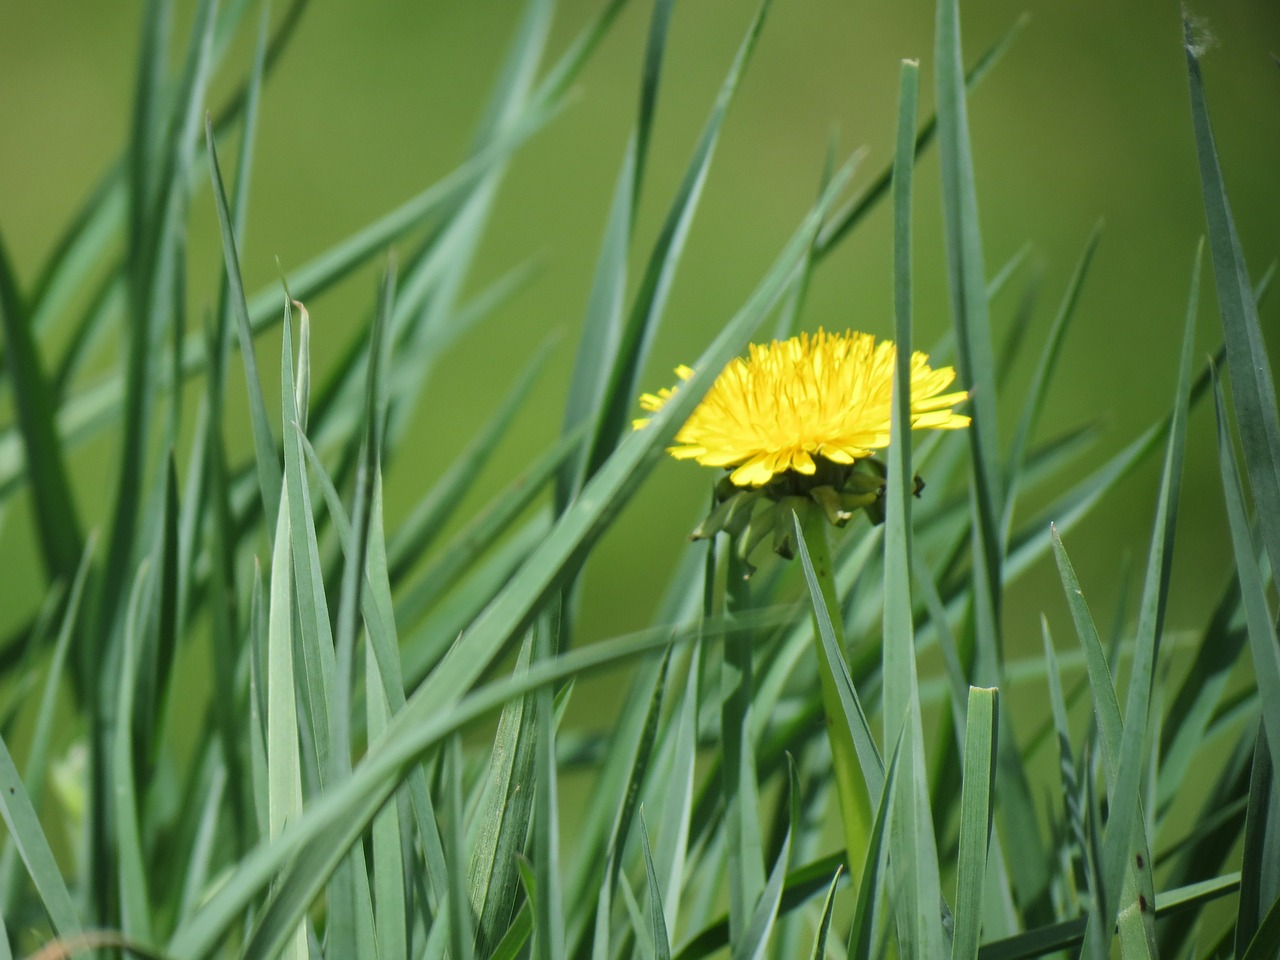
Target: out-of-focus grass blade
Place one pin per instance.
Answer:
(425, 521)
(60, 540)
(549, 937)
(29, 837)
(598, 345)
(388, 859)
(461, 918)
(267, 460)
(1252, 389)
(1069, 933)
(1258, 870)
(842, 224)
(1040, 380)
(135, 910)
(619, 396)
(975, 819)
(819, 951)
(203, 843)
(1262, 633)
(658, 923)
(493, 879)
(38, 752)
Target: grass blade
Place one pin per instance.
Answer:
(1253, 390)
(267, 461)
(61, 543)
(975, 819)
(1262, 633)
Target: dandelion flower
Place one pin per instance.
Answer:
(793, 404)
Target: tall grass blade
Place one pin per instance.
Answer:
(1262, 633)
(819, 951)
(266, 459)
(975, 820)
(1253, 389)
(549, 935)
(135, 909)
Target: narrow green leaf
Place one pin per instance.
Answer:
(389, 894)
(461, 918)
(284, 766)
(135, 909)
(270, 474)
(1262, 633)
(549, 937)
(1253, 389)
(29, 838)
(504, 817)
(824, 923)
(1258, 870)
(975, 819)
(61, 543)
(661, 940)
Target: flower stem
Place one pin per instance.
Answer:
(855, 805)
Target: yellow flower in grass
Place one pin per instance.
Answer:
(793, 403)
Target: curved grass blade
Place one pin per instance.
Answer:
(824, 923)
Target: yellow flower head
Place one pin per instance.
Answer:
(828, 395)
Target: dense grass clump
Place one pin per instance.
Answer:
(254, 717)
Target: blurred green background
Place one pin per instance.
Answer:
(1086, 118)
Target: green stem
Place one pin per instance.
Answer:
(855, 804)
